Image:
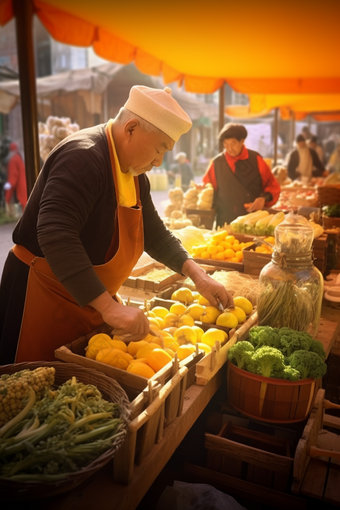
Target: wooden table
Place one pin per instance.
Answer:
(100, 491)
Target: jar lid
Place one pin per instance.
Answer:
(294, 234)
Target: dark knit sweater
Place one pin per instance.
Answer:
(69, 218)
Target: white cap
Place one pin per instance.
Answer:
(160, 109)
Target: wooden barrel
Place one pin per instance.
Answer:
(269, 399)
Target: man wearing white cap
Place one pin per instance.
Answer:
(88, 220)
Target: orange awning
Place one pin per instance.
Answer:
(285, 47)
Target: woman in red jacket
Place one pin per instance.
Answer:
(242, 180)
(16, 178)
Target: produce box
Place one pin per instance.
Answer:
(206, 216)
(139, 278)
(221, 264)
(254, 261)
(154, 402)
(250, 455)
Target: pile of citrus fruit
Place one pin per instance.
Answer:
(175, 333)
(221, 246)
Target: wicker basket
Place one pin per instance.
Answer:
(329, 195)
(14, 490)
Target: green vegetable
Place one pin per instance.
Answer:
(287, 305)
(332, 210)
(308, 363)
(66, 430)
(264, 335)
(240, 354)
(269, 359)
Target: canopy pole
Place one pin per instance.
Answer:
(23, 12)
(276, 133)
(221, 110)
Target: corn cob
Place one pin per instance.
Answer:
(15, 389)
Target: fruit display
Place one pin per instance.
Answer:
(220, 246)
(176, 331)
(259, 223)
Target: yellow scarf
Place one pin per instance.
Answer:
(126, 184)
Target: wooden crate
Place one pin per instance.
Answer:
(137, 278)
(253, 261)
(154, 403)
(250, 455)
(207, 217)
(221, 264)
(316, 469)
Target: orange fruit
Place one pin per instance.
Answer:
(157, 359)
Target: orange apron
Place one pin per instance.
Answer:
(51, 316)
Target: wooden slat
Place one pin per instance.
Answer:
(249, 454)
(309, 437)
(332, 491)
(314, 482)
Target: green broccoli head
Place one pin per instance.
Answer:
(240, 354)
(291, 374)
(269, 359)
(317, 347)
(264, 335)
(308, 363)
(291, 340)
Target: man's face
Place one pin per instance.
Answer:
(301, 145)
(233, 146)
(146, 150)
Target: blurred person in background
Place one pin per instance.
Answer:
(303, 163)
(333, 164)
(242, 180)
(306, 133)
(184, 169)
(15, 187)
(313, 144)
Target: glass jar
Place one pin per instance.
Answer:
(291, 287)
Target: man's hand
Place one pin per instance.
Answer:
(213, 291)
(128, 322)
(257, 205)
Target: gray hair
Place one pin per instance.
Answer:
(124, 115)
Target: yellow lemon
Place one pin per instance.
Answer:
(170, 343)
(230, 239)
(185, 335)
(184, 295)
(145, 350)
(203, 301)
(157, 359)
(178, 308)
(170, 351)
(227, 320)
(204, 347)
(195, 311)
(199, 332)
(154, 321)
(185, 320)
(133, 347)
(174, 296)
(160, 311)
(171, 320)
(210, 315)
(119, 344)
(243, 303)
(213, 335)
(212, 249)
(141, 369)
(184, 351)
(229, 253)
(239, 314)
